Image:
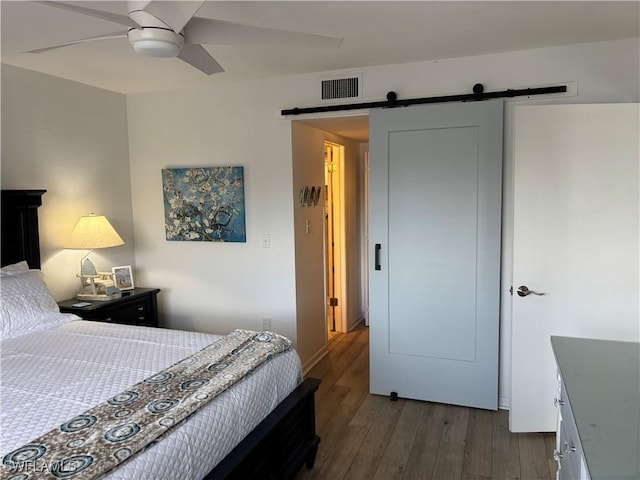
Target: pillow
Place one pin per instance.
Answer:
(26, 304)
(15, 268)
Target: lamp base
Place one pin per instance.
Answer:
(98, 297)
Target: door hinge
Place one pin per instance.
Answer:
(333, 302)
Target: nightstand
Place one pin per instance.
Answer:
(136, 307)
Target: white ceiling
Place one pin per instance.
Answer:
(375, 33)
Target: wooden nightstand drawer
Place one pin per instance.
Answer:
(134, 314)
(136, 307)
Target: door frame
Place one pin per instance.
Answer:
(337, 215)
(364, 178)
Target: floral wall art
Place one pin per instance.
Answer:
(204, 204)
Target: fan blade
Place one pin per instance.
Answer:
(174, 14)
(209, 31)
(196, 56)
(82, 40)
(111, 17)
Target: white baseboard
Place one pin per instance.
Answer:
(355, 324)
(319, 355)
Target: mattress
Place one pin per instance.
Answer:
(49, 376)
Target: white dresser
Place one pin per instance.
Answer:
(598, 434)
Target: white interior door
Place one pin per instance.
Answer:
(434, 230)
(575, 239)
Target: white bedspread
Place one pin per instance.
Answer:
(49, 376)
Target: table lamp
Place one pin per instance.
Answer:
(91, 232)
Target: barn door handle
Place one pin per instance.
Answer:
(378, 247)
(523, 291)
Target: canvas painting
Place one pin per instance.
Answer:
(204, 204)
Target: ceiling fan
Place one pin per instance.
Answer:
(159, 28)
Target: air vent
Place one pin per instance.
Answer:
(341, 88)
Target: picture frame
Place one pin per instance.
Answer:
(204, 204)
(123, 277)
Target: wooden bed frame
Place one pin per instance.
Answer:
(276, 449)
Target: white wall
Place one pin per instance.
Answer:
(310, 253)
(214, 287)
(70, 139)
(308, 170)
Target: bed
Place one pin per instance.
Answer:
(56, 366)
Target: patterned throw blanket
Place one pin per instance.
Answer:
(89, 445)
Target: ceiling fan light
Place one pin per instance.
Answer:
(156, 42)
(157, 48)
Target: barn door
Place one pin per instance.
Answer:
(435, 223)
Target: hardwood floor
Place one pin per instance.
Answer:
(370, 437)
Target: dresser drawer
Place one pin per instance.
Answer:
(570, 457)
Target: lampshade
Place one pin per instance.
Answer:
(94, 231)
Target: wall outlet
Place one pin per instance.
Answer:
(266, 323)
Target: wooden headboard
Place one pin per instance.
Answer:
(19, 229)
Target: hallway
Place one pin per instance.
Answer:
(370, 437)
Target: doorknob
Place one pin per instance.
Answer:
(523, 291)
